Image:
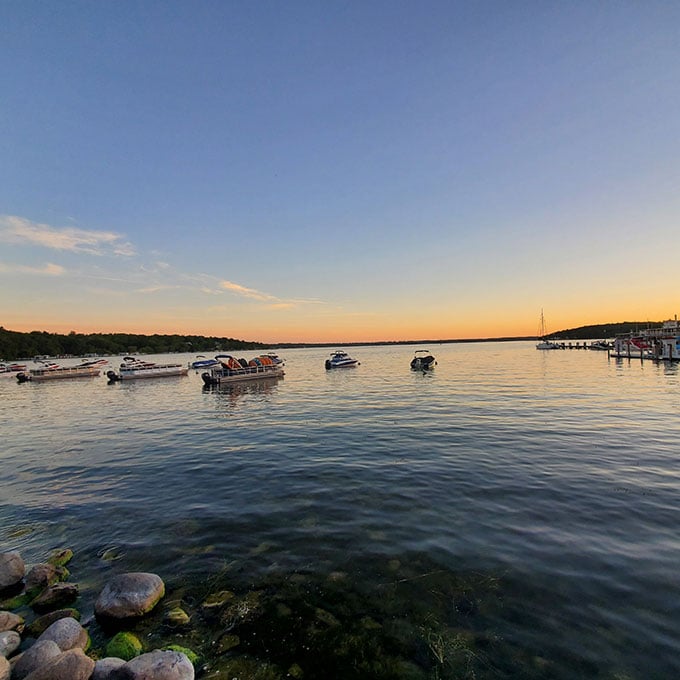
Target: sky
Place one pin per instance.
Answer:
(348, 170)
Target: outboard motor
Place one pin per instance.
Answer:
(112, 376)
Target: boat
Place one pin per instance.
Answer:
(52, 371)
(664, 341)
(201, 362)
(134, 369)
(544, 343)
(230, 370)
(340, 359)
(422, 360)
(601, 345)
(11, 370)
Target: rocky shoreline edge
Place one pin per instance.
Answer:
(54, 645)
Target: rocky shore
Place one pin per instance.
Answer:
(55, 646)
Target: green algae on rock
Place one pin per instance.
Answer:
(124, 645)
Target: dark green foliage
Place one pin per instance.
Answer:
(604, 330)
(15, 345)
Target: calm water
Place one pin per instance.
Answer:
(553, 476)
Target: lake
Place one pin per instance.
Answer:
(511, 513)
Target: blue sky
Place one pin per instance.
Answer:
(337, 171)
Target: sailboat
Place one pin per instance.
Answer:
(544, 343)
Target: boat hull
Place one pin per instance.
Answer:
(143, 373)
(38, 375)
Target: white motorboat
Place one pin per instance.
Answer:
(232, 370)
(340, 359)
(423, 360)
(134, 369)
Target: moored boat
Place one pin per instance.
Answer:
(340, 359)
(52, 371)
(201, 362)
(11, 370)
(229, 370)
(543, 342)
(422, 360)
(134, 369)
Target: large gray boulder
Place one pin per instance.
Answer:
(12, 569)
(35, 657)
(72, 664)
(156, 665)
(129, 595)
(67, 633)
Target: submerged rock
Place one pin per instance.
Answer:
(12, 569)
(177, 617)
(129, 595)
(60, 557)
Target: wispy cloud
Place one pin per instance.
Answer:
(19, 230)
(48, 269)
(247, 292)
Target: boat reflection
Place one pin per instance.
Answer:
(230, 394)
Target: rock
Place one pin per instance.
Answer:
(37, 627)
(56, 596)
(35, 657)
(12, 569)
(177, 617)
(42, 575)
(104, 667)
(60, 557)
(156, 665)
(5, 669)
(9, 621)
(9, 642)
(124, 645)
(129, 595)
(68, 634)
(72, 664)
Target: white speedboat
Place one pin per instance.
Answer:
(423, 360)
(52, 371)
(232, 370)
(134, 369)
(340, 359)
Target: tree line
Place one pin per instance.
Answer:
(15, 345)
